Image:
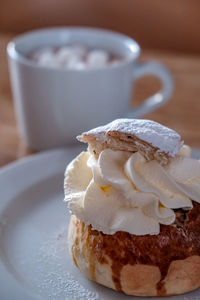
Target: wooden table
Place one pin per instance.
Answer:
(182, 113)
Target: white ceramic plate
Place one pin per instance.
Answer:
(34, 259)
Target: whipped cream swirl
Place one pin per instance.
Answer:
(121, 191)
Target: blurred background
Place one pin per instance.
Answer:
(168, 25)
(168, 31)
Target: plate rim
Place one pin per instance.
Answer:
(11, 288)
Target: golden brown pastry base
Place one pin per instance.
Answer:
(115, 263)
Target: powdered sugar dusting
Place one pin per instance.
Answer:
(191, 297)
(160, 136)
(61, 281)
(54, 278)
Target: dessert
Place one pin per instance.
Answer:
(135, 203)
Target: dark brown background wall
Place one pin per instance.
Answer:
(160, 24)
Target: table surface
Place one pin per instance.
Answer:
(182, 113)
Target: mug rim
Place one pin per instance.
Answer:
(131, 45)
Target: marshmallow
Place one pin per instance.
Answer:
(66, 54)
(47, 59)
(72, 57)
(97, 58)
(40, 52)
(75, 63)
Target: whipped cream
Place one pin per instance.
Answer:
(121, 191)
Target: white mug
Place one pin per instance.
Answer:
(54, 105)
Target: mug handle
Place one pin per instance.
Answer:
(161, 97)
